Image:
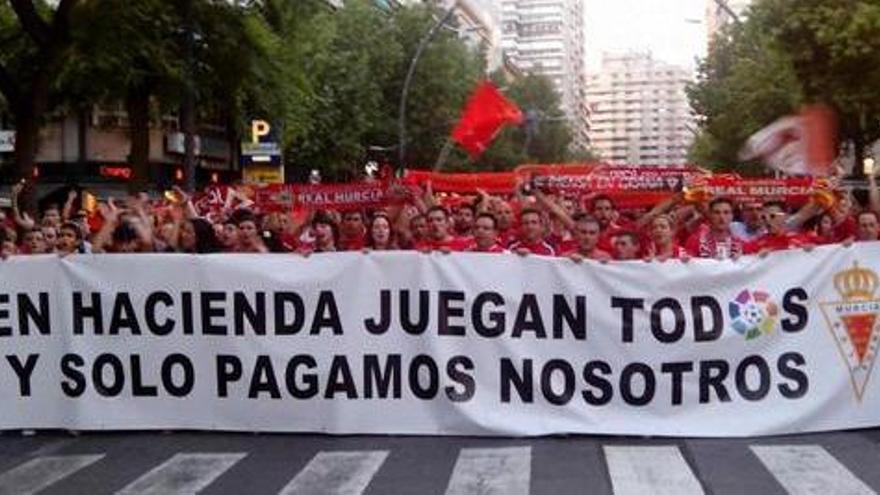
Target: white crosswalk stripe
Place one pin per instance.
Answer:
(650, 470)
(501, 471)
(809, 470)
(642, 470)
(42, 472)
(183, 474)
(337, 473)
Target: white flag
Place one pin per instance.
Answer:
(798, 145)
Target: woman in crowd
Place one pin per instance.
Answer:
(249, 239)
(380, 236)
(325, 231)
(197, 236)
(663, 245)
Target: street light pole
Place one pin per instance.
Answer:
(401, 119)
(188, 110)
(726, 8)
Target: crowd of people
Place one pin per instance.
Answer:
(582, 226)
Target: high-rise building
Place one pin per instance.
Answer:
(718, 15)
(640, 112)
(547, 37)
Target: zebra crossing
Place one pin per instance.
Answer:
(637, 468)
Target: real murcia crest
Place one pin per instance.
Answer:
(853, 322)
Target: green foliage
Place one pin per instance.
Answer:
(120, 44)
(349, 65)
(745, 83)
(330, 79)
(834, 46)
(787, 53)
(447, 73)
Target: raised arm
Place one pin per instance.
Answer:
(873, 191)
(67, 211)
(554, 209)
(23, 220)
(110, 214)
(659, 209)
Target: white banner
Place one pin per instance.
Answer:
(461, 344)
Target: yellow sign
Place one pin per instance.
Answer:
(259, 128)
(263, 174)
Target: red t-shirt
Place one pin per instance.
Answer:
(507, 237)
(494, 248)
(702, 244)
(451, 243)
(354, 244)
(846, 229)
(290, 242)
(597, 254)
(606, 238)
(567, 246)
(776, 242)
(540, 247)
(677, 250)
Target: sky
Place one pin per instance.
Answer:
(672, 29)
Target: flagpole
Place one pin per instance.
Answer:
(401, 119)
(444, 154)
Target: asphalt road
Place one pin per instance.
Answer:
(183, 462)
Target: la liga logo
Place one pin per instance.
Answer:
(853, 322)
(753, 313)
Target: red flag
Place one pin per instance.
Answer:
(486, 112)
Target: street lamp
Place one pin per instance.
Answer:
(868, 166)
(401, 119)
(726, 8)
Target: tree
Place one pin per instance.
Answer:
(131, 52)
(744, 84)
(786, 53)
(35, 40)
(126, 52)
(445, 76)
(346, 65)
(834, 46)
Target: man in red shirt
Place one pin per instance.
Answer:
(352, 231)
(778, 237)
(504, 216)
(609, 221)
(439, 237)
(486, 235)
(715, 239)
(464, 220)
(868, 227)
(586, 235)
(531, 231)
(626, 246)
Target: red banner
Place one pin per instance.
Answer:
(629, 187)
(289, 197)
(793, 190)
(358, 195)
(491, 182)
